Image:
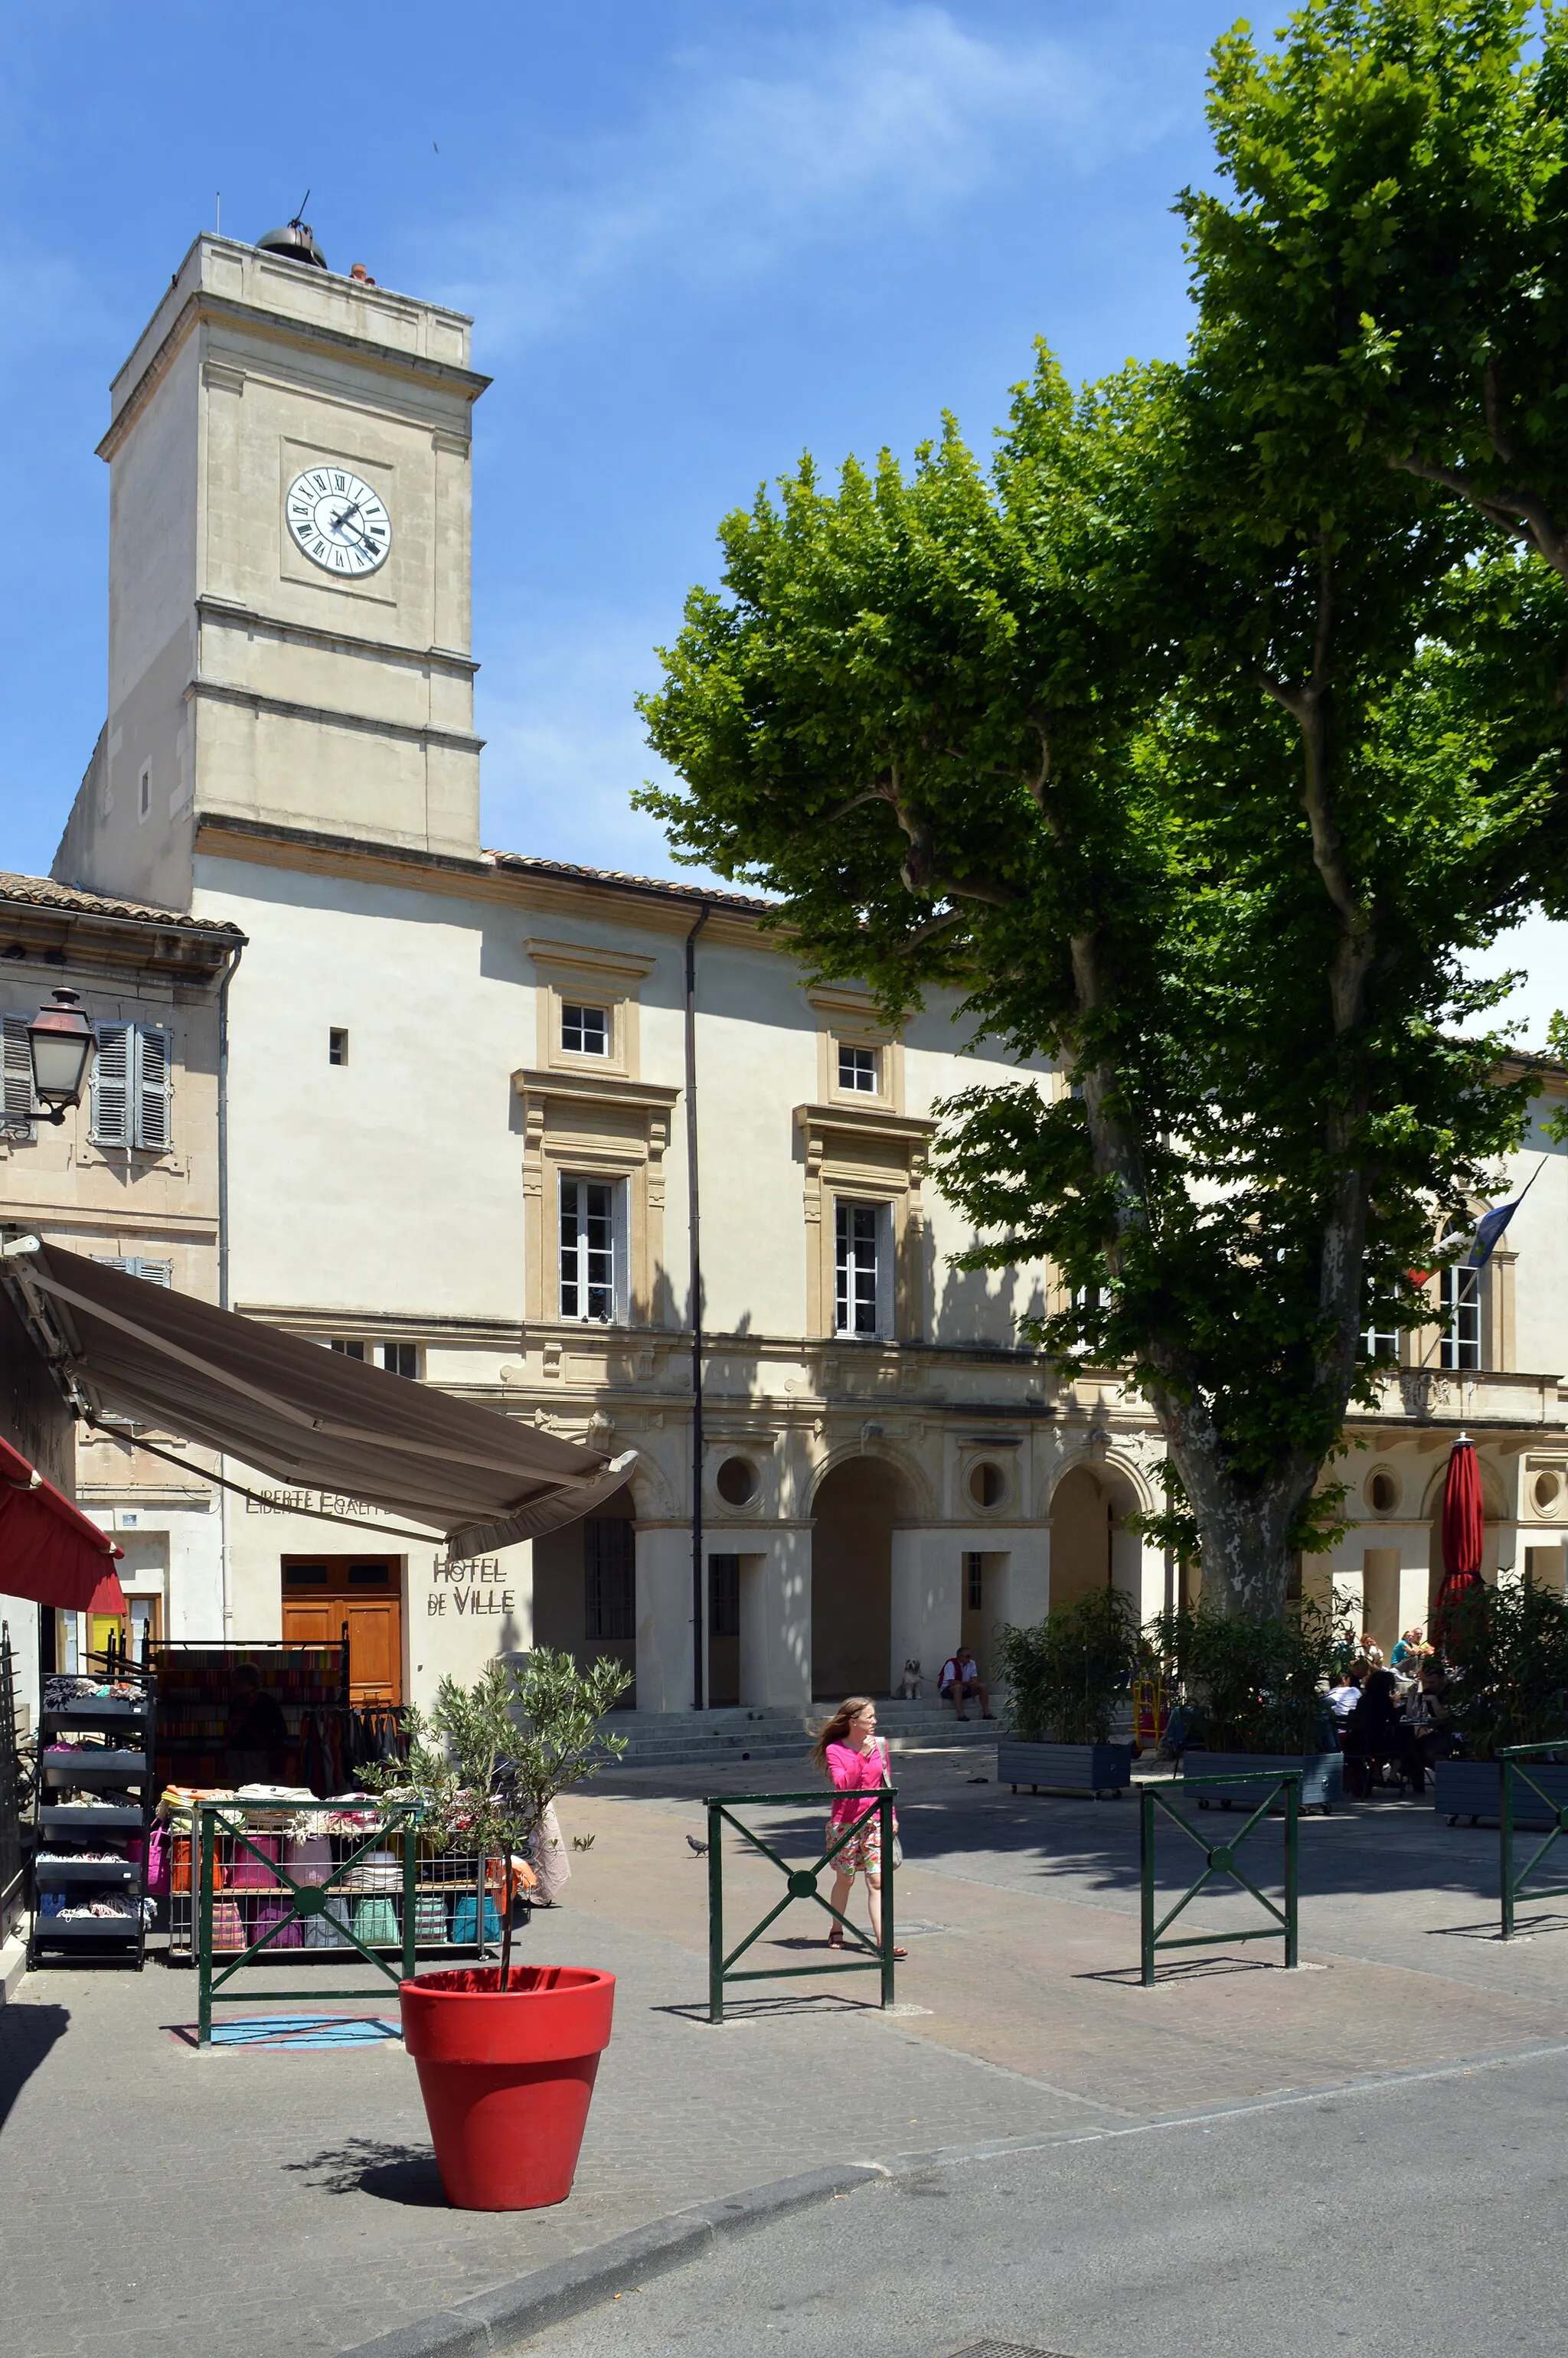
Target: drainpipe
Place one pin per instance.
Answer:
(229, 972)
(694, 1229)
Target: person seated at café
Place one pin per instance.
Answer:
(1368, 1651)
(1406, 1657)
(1429, 1717)
(1343, 1697)
(1373, 1734)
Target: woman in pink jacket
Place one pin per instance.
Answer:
(849, 1750)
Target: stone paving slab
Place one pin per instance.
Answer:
(254, 2201)
(246, 2203)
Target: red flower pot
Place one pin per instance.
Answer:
(507, 2075)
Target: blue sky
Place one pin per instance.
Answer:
(697, 236)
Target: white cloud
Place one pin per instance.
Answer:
(894, 116)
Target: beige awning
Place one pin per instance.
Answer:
(312, 1418)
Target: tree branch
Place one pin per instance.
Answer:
(1524, 513)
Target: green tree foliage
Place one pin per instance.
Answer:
(489, 1758)
(1194, 741)
(1066, 1674)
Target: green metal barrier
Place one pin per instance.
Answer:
(1508, 1760)
(1219, 1858)
(800, 1883)
(294, 1903)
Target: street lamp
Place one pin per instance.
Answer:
(61, 1043)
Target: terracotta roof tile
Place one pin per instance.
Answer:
(43, 893)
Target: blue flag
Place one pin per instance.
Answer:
(1488, 1228)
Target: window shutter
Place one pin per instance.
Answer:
(153, 1062)
(112, 1085)
(18, 1078)
(156, 1272)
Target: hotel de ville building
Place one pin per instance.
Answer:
(456, 1098)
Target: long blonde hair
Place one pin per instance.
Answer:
(835, 1729)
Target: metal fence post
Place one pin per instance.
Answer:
(206, 1843)
(410, 1867)
(715, 1913)
(1292, 1869)
(886, 1838)
(1146, 1880)
(1506, 1842)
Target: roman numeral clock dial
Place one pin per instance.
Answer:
(337, 521)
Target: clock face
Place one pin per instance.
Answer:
(338, 522)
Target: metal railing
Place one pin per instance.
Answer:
(11, 1783)
(1219, 1859)
(800, 1883)
(1510, 1761)
(261, 1898)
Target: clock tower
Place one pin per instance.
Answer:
(288, 572)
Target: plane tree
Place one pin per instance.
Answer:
(1194, 741)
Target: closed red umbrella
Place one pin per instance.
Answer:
(1464, 1528)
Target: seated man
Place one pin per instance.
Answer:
(961, 1678)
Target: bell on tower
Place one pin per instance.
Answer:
(296, 243)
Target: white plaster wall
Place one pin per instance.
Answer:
(1538, 1234)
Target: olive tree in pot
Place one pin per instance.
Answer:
(507, 2055)
(1066, 1678)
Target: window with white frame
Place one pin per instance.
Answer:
(585, 1030)
(858, 1069)
(862, 1268)
(400, 1359)
(131, 1085)
(1379, 1336)
(1459, 1338)
(592, 1253)
(346, 1350)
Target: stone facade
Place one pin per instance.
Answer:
(459, 1104)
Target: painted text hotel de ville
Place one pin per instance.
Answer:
(439, 1107)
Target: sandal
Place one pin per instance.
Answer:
(898, 1951)
(836, 1938)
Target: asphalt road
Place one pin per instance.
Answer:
(1422, 2219)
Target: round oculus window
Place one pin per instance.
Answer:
(1382, 1492)
(988, 1484)
(1548, 1493)
(736, 1482)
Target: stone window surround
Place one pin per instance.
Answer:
(849, 1018)
(583, 974)
(857, 1152)
(591, 1124)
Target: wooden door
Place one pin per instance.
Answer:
(321, 1594)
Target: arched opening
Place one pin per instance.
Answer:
(851, 1578)
(1091, 1547)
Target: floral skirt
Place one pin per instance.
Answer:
(862, 1854)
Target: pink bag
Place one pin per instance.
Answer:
(160, 1861)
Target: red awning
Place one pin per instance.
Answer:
(50, 1551)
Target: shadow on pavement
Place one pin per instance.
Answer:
(28, 2033)
(390, 2173)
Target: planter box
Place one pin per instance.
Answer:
(1094, 1769)
(1323, 1777)
(1473, 1790)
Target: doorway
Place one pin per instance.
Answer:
(851, 1579)
(324, 1594)
(724, 1630)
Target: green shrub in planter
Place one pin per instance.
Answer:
(1066, 1676)
(1253, 1683)
(1508, 1649)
